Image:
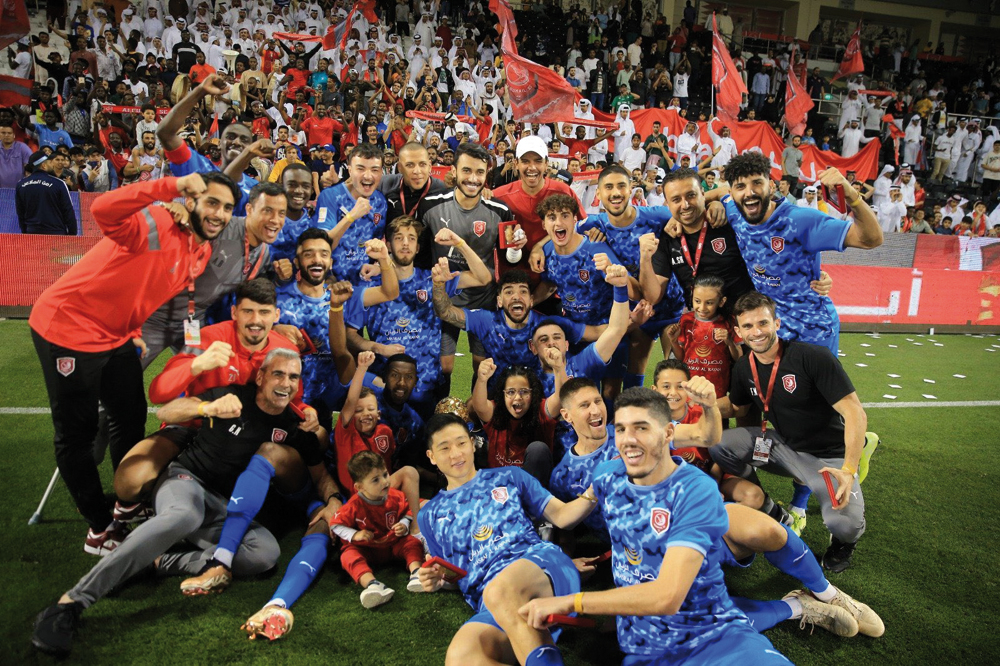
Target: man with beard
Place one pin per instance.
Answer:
(477, 221)
(400, 377)
(147, 159)
(83, 325)
(783, 244)
(404, 192)
(298, 183)
(353, 213)
(234, 138)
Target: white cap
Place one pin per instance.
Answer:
(531, 144)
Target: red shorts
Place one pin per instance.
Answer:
(355, 558)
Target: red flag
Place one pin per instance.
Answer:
(726, 79)
(297, 37)
(852, 62)
(14, 91)
(213, 131)
(537, 94)
(367, 9)
(797, 104)
(504, 12)
(13, 22)
(337, 34)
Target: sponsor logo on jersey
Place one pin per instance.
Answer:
(382, 443)
(500, 494)
(659, 520)
(402, 322)
(570, 298)
(758, 269)
(788, 381)
(422, 295)
(633, 557)
(719, 245)
(65, 365)
(479, 228)
(584, 275)
(483, 533)
(777, 243)
(390, 519)
(703, 350)
(278, 435)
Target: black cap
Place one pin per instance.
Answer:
(37, 159)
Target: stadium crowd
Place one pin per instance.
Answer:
(308, 230)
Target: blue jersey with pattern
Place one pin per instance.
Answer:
(313, 316)
(588, 363)
(485, 525)
(782, 257)
(573, 475)
(284, 246)
(624, 241)
(586, 297)
(349, 255)
(509, 346)
(684, 510)
(198, 163)
(406, 425)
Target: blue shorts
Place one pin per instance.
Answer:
(740, 647)
(306, 498)
(562, 574)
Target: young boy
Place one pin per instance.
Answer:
(374, 527)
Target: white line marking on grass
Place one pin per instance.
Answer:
(940, 403)
(893, 376)
(929, 381)
(893, 347)
(864, 344)
(869, 354)
(959, 376)
(24, 411)
(861, 365)
(895, 386)
(929, 396)
(890, 397)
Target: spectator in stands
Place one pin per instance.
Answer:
(991, 172)
(791, 163)
(42, 200)
(14, 156)
(920, 224)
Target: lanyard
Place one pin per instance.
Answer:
(765, 399)
(191, 262)
(697, 253)
(402, 197)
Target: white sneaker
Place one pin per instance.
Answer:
(413, 585)
(419, 536)
(376, 594)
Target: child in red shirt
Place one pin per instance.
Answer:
(374, 527)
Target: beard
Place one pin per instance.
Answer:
(762, 208)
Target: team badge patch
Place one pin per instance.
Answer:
(479, 228)
(659, 520)
(390, 519)
(788, 381)
(719, 245)
(382, 443)
(584, 276)
(777, 243)
(65, 365)
(422, 295)
(377, 217)
(278, 435)
(500, 494)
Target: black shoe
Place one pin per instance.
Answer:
(838, 556)
(54, 628)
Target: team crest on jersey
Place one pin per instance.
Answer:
(500, 494)
(65, 365)
(777, 243)
(422, 295)
(402, 322)
(278, 435)
(584, 276)
(659, 520)
(390, 519)
(633, 557)
(382, 443)
(483, 533)
(479, 228)
(377, 217)
(719, 245)
(788, 381)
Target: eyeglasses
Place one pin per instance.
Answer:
(517, 393)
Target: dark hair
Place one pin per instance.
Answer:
(557, 203)
(397, 358)
(682, 174)
(711, 282)
(147, 106)
(270, 189)
(529, 426)
(402, 222)
(513, 276)
(473, 150)
(573, 386)
(313, 233)
(439, 422)
(613, 169)
(751, 301)
(296, 166)
(668, 364)
(366, 151)
(222, 179)
(365, 392)
(748, 164)
(549, 322)
(364, 463)
(647, 399)
(259, 290)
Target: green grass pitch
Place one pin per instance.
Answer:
(926, 563)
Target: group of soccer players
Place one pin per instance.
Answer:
(327, 377)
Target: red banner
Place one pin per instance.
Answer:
(13, 21)
(111, 108)
(297, 37)
(852, 62)
(14, 91)
(726, 79)
(797, 104)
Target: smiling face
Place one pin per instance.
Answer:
(668, 384)
(451, 451)
(366, 173)
(211, 212)
(517, 396)
(686, 201)
(253, 321)
(266, 217)
(752, 196)
(759, 329)
(314, 261)
(400, 380)
(561, 227)
(586, 412)
(515, 301)
(277, 384)
(298, 188)
(366, 415)
(531, 170)
(614, 191)
(642, 441)
(234, 140)
(705, 302)
(471, 175)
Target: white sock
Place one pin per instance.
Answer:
(798, 511)
(224, 556)
(277, 601)
(827, 595)
(796, 607)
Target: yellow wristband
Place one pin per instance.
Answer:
(589, 498)
(336, 309)
(461, 242)
(578, 602)
(847, 469)
(201, 408)
(857, 202)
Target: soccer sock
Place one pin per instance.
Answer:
(800, 496)
(796, 606)
(775, 511)
(246, 500)
(763, 614)
(544, 655)
(632, 380)
(302, 570)
(796, 560)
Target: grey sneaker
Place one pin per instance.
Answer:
(869, 623)
(834, 619)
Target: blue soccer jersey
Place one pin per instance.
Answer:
(783, 256)
(313, 316)
(586, 297)
(573, 475)
(485, 525)
(349, 255)
(588, 363)
(284, 246)
(406, 425)
(509, 346)
(684, 510)
(198, 163)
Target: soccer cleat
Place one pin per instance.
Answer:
(103, 543)
(132, 513)
(834, 619)
(869, 623)
(837, 557)
(274, 622)
(798, 522)
(54, 628)
(546, 531)
(214, 577)
(376, 594)
(871, 443)
(413, 585)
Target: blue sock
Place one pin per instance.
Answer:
(544, 655)
(632, 380)
(246, 500)
(800, 496)
(796, 560)
(303, 568)
(763, 614)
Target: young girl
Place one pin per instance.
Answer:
(703, 338)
